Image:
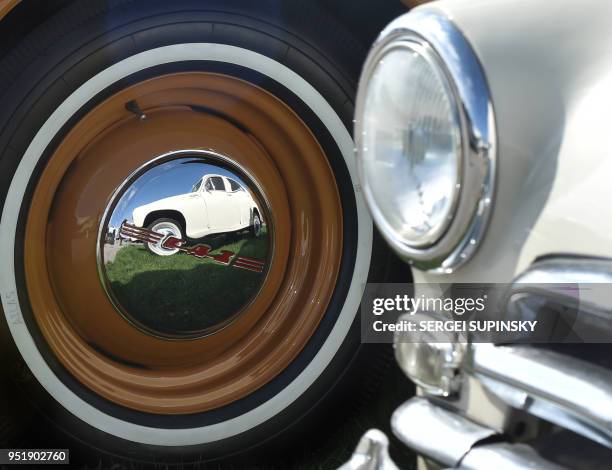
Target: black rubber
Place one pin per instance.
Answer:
(254, 231)
(87, 37)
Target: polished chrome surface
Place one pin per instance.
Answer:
(372, 453)
(574, 271)
(569, 270)
(570, 392)
(432, 365)
(576, 289)
(436, 433)
(184, 244)
(504, 456)
(457, 245)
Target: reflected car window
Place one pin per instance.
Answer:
(217, 182)
(234, 186)
(196, 187)
(209, 186)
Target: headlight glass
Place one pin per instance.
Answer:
(409, 144)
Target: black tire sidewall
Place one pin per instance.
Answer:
(255, 231)
(79, 52)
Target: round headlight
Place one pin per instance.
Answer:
(410, 143)
(424, 132)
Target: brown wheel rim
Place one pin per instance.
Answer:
(83, 329)
(161, 280)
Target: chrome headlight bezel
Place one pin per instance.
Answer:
(441, 43)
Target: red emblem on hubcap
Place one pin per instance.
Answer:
(170, 242)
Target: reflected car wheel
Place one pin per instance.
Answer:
(214, 350)
(166, 227)
(256, 227)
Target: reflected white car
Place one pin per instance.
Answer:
(216, 204)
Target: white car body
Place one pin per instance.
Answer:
(549, 70)
(548, 66)
(207, 209)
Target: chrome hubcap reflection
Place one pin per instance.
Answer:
(184, 244)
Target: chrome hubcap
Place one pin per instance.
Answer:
(176, 251)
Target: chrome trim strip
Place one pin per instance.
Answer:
(579, 284)
(505, 456)
(436, 433)
(566, 270)
(433, 30)
(569, 392)
(574, 271)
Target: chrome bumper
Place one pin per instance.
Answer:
(372, 453)
(436, 433)
(570, 390)
(445, 439)
(453, 441)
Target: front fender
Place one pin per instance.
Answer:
(550, 84)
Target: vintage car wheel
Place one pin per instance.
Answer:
(166, 227)
(256, 227)
(100, 97)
